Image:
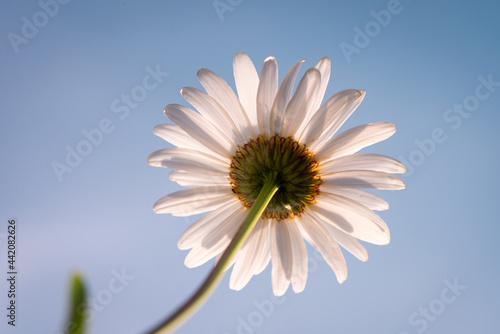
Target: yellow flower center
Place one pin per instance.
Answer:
(296, 171)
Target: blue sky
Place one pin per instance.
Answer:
(72, 70)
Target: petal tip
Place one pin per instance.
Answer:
(313, 69)
(278, 293)
(181, 245)
(156, 128)
(189, 264)
(298, 290)
(171, 177)
(155, 208)
(392, 126)
(202, 71)
(169, 108)
(151, 162)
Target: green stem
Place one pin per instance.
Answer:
(205, 290)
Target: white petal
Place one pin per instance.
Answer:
(222, 93)
(352, 218)
(188, 160)
(363, 179)
(351, 244)
(200, 129)
(330, 117)
(299, 253)
(363, 161)
(212, 111)
(371, 201)
(324, 67)
(193, 235)
(249, 256)
(265, 256)
(178, 137)
(324, 242)
(192, 201)
(266, 253)
(355, 139)
(247, 82)
(281, 256)
(266, 93)
(188, 179)
(301, 103)
(283, 96)
(216, 241)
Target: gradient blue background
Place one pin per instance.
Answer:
(444, 226)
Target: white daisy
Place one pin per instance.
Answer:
(226, 148)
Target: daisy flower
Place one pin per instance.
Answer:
(232, 144)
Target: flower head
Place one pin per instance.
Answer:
(227, 149)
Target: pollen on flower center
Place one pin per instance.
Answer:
(298, 180)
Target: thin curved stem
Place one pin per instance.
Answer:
(205, 290)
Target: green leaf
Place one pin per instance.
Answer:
(76, 323)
